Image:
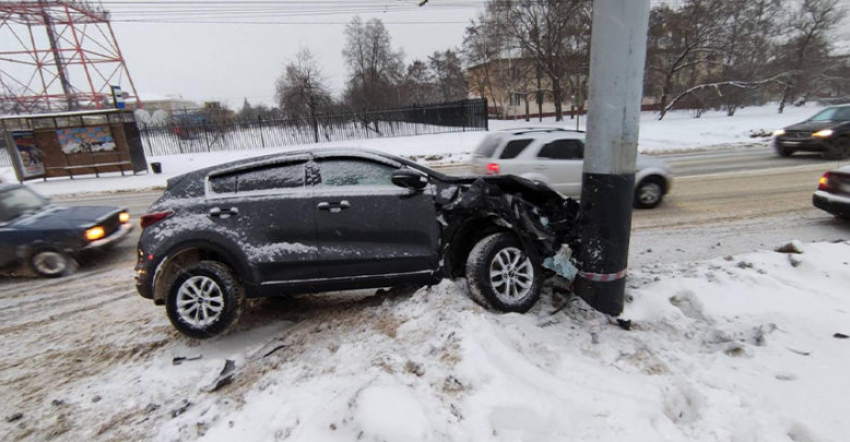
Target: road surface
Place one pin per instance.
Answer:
(745, 197)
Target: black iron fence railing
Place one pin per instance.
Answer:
(211, 135)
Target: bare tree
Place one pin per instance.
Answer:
(375, 69)
(806, 52)
(483, 46)
(748, 34)
(448, 74)
(542, 29)
(681, 41)
(302, 91)
(419, 85)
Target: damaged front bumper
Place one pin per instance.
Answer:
(544, 221)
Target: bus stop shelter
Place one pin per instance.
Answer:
(69, 144)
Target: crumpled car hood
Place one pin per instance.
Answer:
(541, 218)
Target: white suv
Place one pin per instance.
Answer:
(555, 157)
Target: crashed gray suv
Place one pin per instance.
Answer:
(312, 221)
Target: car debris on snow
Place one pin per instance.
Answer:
(182, 409)
(181, 359)
(225, 377)
(15, 417)
(794, 246)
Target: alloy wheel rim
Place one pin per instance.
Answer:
(200, 301)
(50, 263)
(511, 274)
(649, 193)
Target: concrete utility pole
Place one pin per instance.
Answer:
(617, 59)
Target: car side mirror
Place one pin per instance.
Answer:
(410, 179)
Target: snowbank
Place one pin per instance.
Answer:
(738, 349)
(676, 133)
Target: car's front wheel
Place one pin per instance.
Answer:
(783, 151)
(204, 300)
(501, 275)
(50, 263)
(839, 149)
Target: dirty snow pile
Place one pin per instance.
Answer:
(743, 348)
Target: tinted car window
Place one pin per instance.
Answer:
(285, 176)
(563, 150)
(350, 172)
(514, 148)
(223, 183)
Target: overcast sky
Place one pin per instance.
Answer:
(229, 50)
(229, 62)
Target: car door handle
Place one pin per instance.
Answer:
(219, 212)
(541, 167)
(333, 207)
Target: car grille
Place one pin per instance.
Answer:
(797, 135)
(111, 225)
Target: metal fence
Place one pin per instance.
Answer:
(178, 137)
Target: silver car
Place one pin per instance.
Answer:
(555, 157)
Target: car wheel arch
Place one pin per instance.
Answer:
(195, 251)
(467, 236)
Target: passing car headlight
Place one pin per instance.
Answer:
(779, 132)
(124, 217)
(95, 233)
(823, 133)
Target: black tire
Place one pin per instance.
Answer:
(523, 277)
(50, 263)
(784, 152)
(649, 192)
(839, 149)
(206, 285)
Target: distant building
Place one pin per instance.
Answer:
(167, 103)
(511, 86)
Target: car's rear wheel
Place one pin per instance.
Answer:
(204, 300)
(649, 192)
(50, 263)
(501, 275)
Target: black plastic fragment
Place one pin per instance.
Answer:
(14, 417)
(225, 377)
(181, 359)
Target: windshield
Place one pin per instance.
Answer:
(833, 114)
(17, 202)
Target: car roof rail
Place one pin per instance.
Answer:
(525, 130)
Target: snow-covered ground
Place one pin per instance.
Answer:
(736, 349)
(678, 132)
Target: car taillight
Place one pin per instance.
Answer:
(823, 182)
(492, 169)
(149, 219)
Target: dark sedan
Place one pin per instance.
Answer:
(827, 132)
(46, 237)
(833, 194)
